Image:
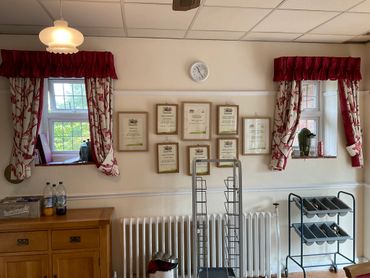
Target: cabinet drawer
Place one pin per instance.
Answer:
(23, 241)
(75, 239)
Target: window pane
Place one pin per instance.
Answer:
(58, 89)
(311, 124)
(68, 136)
(58, 144)
(78, 103)
(67, 127)
(77, 132)
(59, 102)
(69, 95)
(77, 143)
(85, 130)
(68, 143)
(77, 90)
(68, 89)
(310, 95)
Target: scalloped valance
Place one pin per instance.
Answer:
(42, 64)
(317, 68)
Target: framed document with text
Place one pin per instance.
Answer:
(198, 152)
(167, 158)
(227, 119)
(256, 136)
(196, 121)
(166, 119)
(227, 148)
(133, 131)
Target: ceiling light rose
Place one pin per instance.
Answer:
(60, 38)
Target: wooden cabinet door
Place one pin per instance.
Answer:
(24, 266)
(76, 265)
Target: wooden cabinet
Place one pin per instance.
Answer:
(34, 266)
(76, 265)
(76, 245)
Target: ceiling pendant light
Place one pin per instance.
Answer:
(60, 38)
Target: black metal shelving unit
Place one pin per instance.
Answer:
(321, 232)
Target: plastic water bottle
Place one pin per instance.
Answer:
(61, 195)
(54, 188)
(48, 200)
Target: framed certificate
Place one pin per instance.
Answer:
(166, 119)
(227, 119)
(167, 158)
(256, 136)
(133, 131)
(196, 121)
(199, 152)
(227, 148)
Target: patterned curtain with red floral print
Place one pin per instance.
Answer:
(286, 119)
(26, 101)
(292, 70)
(99, 92)
(349, 104)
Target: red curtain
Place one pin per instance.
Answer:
(287, 114)
(344, 69)
(41, 64)
(349, 99)
(316, 68)
(99, 93)
(26, 99)
(27, 66)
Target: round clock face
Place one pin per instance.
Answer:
(199, 71)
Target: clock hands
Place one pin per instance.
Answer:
(201, 75)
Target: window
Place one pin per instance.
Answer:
(65, 119)
(319, 115)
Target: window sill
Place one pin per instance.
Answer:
(65, 164)
(313, 157)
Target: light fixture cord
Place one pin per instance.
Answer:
(60, 9)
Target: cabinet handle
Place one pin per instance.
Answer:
(75, 239)
(23, 241)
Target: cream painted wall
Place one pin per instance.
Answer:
(147, 64)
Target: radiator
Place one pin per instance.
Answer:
(145, 236)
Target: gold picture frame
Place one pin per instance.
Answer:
(201, 152)
(256, 136)
(167, 158)
(196, 121)
(132, 131)
(227, 148)
(227, 120)
(167, 116)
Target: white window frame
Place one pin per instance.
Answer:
(325, 133)
(315, 114)
(49, 118)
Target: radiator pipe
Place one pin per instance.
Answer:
(277, 238)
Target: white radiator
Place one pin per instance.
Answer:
(143, 237)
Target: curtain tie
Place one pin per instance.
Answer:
(354, 149)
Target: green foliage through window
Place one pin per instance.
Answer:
(68, 136)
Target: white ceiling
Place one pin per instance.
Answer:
(333, 21)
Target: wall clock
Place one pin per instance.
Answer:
(199, 71)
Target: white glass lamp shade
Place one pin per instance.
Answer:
(60, 38)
